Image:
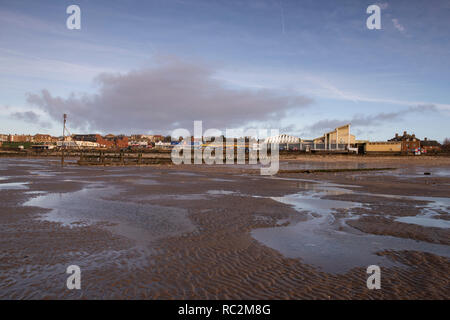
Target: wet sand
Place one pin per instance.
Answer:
(225, 232)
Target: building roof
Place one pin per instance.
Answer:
(283, 138)
(382, 142)
(430, 143)
(335, 129)
(405, 137)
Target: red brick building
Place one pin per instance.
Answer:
(119, 141)
(20, 138)
(44, 138)
(110, 141)
(430, 145)
(409, 141)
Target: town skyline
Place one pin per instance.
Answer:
(48, 138)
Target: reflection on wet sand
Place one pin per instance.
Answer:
(319, 240)
(13, 185)
(140, 222)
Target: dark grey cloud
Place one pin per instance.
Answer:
(27, 116)
(170, 95)
(30, 117)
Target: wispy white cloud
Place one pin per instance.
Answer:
(398, 25)
(282, 17)
(13, 63)
(318, 86)
(15, 20)
(331, 91)
(360, 120)
(383, 5)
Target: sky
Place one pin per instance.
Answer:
(302, 67)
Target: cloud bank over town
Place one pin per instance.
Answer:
(170, 95)
(30, 117)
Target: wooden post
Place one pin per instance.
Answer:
(348, 146)
(337, 138)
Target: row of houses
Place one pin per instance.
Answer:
(406, 143)
(147, 138)
(37, 138)
(338, 140)
(84, 140)
(108, 141)
(45, 141)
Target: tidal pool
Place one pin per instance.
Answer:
(137, 221)
(14, 186)
(330, 245)
(220, 192)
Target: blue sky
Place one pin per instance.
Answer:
(314, 63)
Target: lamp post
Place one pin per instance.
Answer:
(63, 139)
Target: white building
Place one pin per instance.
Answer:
(161, 144)
(282, 139)
(138, 143)
(78, 144)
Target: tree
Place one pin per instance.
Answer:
(446, 144)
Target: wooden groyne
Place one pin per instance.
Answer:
(335, 170)
(111, 158)
(103, 158)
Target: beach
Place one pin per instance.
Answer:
(225, 231)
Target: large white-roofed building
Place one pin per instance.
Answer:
(339, 139)
(282, 139)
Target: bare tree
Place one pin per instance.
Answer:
(446, 144)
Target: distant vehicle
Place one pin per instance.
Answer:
(41, 147)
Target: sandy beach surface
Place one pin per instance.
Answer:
(226, 232)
